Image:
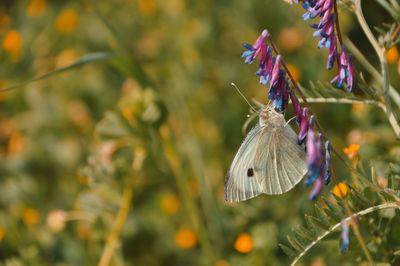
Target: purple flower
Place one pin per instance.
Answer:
(346, 71)
(313, 154)
(296, 106)
(303, 126)
(256, 49)
(327, 173)
(267, 62)
(344, 241)
(276, 71)
(278, 91)
(317, 188)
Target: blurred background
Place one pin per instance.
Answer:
(143, 118)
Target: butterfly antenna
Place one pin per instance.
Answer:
(241, 94)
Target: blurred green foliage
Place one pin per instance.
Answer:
(156, 116)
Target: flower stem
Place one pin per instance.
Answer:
(338, 32)
(112, 239)
(381, 52)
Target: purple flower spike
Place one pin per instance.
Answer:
(327, 174)
(256, 49)
(325, 29)
(303, 126)
(317, 188)
(313, 154)
(344, 241)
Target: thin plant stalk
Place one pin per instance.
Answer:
(112, 239)
(381, 52)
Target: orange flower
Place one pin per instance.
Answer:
(244, 243)
(221, 263)
(2, 233)
(16, 143)
(31, 216)
(170, 204)
(83, 230)
(147, 7)
(392, 55)
(12, 42)
(186, 238)
(67, 21)
(36, 8)
(352, 151)
(290, 39)
(66, 57)
(294, 71)
(340, 190)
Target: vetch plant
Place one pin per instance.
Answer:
(345, 210)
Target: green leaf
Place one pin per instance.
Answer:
(315, 223)
(294, 243)
(321, 214)
(288, 251)
(359, 199)
(305, 233)
(299, 238)
(84, 60)
(333, 211)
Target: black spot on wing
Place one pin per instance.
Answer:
(250, 172)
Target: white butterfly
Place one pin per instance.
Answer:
(269, 160)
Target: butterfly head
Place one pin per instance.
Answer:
(270, 117)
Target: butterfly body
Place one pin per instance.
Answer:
(269, 160)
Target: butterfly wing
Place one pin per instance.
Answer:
(280, 163)
(241, 183)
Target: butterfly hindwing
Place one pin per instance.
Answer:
(241, 182)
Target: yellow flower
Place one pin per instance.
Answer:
(170, 204)
(67, 21)
(340, 190)
(186, 238)
(294, 71)
(12, 42)
(31, 216)
(244, 243)
(352, 151)
(36, 8)
(392, 55)
(147, 7)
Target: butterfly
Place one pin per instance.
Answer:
(269, 160)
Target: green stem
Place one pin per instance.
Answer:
(381, 52)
